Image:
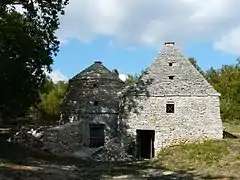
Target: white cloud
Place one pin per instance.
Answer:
(230, 42)
(151, 22)
(57, 76)
(122, 77)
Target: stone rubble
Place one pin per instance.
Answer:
(29, 137)
(63, 139)
(112, 151)
(32, 138)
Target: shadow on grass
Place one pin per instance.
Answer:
(131, 170)
(124, 170)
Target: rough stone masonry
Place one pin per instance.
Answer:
(176, 102)
(171, 103)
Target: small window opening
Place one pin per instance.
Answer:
(170, 77)
(95, 103)
(94, 85)
(170, 64)
(170, 108)
(96, 135)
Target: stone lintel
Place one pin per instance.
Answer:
(145, 127)
(96, 121)
(67, 125)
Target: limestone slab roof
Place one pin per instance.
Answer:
(173, 74)
(97, 71)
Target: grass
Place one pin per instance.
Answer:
(212, 157)
(193, 155)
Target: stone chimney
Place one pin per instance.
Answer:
(169, 43)
(98, 62)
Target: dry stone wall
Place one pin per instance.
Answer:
(195, 118)
(72, 137)
(91, 98)
(64, 139)
(172, 79)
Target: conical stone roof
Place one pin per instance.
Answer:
(97, 71)
(173, 74)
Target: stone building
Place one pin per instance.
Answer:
(92, 99)
(90, 108)
(171, 103)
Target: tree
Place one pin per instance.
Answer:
(194, 63)
(27, 46)
(133, 79)
(49, 107)
(226, 81)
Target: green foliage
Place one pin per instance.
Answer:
(27, 44)
(133, 79)
(51, 97)
(227, 82)
(192, 155)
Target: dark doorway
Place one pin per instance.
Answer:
(145, 143)
(96, 135)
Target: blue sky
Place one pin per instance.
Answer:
(77, 55)
(127, 35)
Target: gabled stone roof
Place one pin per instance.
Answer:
(173, 74)
(97, 71)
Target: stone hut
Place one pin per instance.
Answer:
(172, 103)
(92, 97)
(90, 111)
